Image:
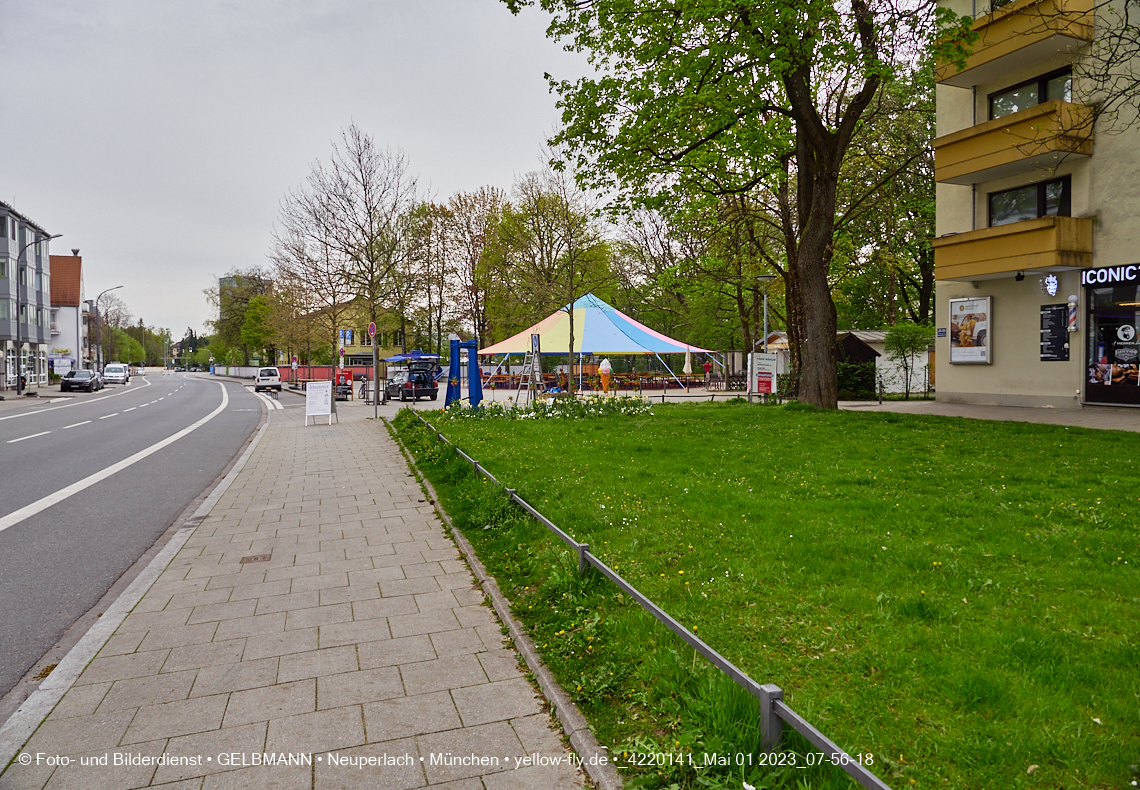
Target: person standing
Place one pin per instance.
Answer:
(708, 374)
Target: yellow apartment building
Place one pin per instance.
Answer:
(1037, 258)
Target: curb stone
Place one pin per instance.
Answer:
(573, 723)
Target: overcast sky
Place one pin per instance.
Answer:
(159, 136)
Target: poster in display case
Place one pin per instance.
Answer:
(970, 338)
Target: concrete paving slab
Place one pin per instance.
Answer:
(361, 644)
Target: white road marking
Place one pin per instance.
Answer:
(143, 406)
(33, 436)
(74, 425)
(67, 405)
(16, 516)
(273, 404)
(130, 409)
(105, 416)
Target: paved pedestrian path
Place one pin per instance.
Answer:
(1101, 417)
(319, 618)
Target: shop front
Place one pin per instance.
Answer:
(1112, 296)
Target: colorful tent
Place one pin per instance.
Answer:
(598, 329)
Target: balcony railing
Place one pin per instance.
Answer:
(55, 328)
(1019, 35)
(1035, 245)
(1037, 138)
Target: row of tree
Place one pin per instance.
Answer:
(358, 243)
(123, 338)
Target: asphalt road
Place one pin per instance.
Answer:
(57, 563)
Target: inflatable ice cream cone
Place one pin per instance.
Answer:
(604, 371)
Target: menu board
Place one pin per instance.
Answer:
(1054, 333)
(970, 331)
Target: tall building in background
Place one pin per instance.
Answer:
(25, 300)
(70, 345)
(1038, 215)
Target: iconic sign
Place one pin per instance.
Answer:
(1111, 274)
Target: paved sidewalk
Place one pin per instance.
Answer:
(1102, 417)
(319, 610)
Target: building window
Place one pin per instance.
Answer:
(1047, 199)
(3, 268)
(1057, 85)
(39, 281)
(5, 309)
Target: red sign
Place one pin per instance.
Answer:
(372, 329)
(764, 383)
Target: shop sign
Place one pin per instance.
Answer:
(1054, 333)
(1111, 274)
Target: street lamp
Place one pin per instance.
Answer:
(19, 341)
(99, 335)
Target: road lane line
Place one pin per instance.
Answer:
(33, 436)
(16, 516)
(273, 404)
(130, 409)
(112, 414)
(68, 405)
(74, 425)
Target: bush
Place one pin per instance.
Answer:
(856, 380)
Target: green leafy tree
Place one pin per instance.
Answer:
(231, 298)
(258, 331)
(904, 343)
(715, 97)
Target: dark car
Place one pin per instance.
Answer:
(414, 383)
(87, 380)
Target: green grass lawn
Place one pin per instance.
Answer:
(958, 598)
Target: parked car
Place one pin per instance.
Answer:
(116, 374)
(87, 380)
(267, 379)
(413, 383)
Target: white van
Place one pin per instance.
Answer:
(115, 373)
(267, 379)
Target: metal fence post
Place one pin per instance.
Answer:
(771, 728)
(583, 563)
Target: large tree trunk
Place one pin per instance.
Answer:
(819, 381)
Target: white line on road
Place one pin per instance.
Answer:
(33, 436)
(16, 516)
(69, 405)
(143, 406)
(130, 409)
(273, 404)
(113, 414)
(75, 425)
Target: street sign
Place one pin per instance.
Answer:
(319, 401)
(372, 329)
(764, 383)
(764, 363)
(294, 364)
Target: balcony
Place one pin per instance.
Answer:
(1019, 35)
(55, 330)
(1037, 138)
(1048, 244)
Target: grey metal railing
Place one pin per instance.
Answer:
(774, 712)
